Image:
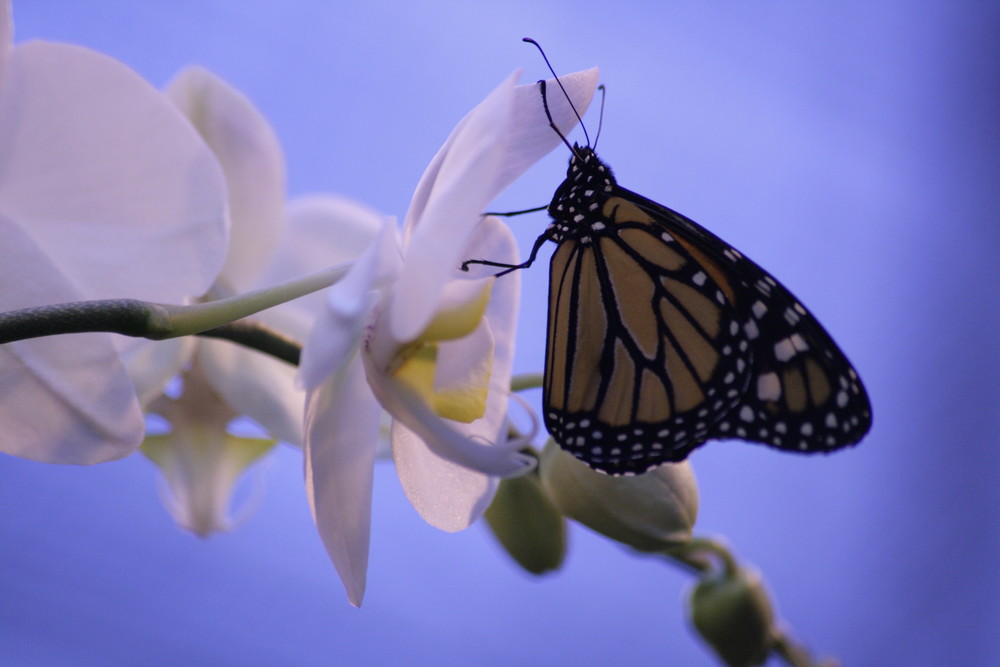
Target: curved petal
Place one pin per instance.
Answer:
(448, 205)
(531, 138)
(460, 142)
(489, 149)
(447, 495)
(498, 241)
(442, 437)
(200, 476)
(63, 399)
(252, 161)
(320, 230)
(67, 401)
(108, 177)
(152, 364)
(200, 461)
(339, 325)
(342, 423)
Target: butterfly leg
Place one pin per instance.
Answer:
(513, 267)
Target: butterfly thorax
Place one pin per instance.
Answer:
(576, 207)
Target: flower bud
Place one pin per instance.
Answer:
(650, 512)
(527, 524)
(732, 613)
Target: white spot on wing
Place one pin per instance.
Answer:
(784, 350)
(768, 387)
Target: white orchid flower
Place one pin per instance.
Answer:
(269, 244)
(107, 192)
(408, 331)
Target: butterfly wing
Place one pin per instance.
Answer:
(644, 353)
(804, 395)
(661, 336)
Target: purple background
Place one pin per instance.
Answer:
(850, 149)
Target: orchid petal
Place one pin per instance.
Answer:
(450, 496)
(256, 385)
(497, 100)
(444, 438)
(489, 149)
(63, 399)
(108, 177)
(320, 231)
(252, 161)
(200, 462)
(349, 303)
(453, 507)
(531, 138)
(462, 305)
(448, 205)
(151, 365)
(201, 476)
(494, 238)
(342, 422)
(457, 389)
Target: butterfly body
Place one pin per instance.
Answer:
(662, 336)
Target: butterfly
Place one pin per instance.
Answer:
(662, 336)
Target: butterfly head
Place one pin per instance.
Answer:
(588, 183)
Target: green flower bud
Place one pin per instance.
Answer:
(732, 613)
(651, 512)
(527, 524)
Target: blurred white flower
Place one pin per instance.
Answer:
(269, 244)
(408, 331)
(200, 459)
(106, 192)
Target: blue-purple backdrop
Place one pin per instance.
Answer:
(851, 149)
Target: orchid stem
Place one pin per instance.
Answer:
(526, 381)
(698, 553)
(141, 319)
(259, 337)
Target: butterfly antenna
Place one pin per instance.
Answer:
(600, 118)
(548, 114)
(562, 88)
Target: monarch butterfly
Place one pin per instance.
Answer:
(662, 336)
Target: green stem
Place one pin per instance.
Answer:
(693, 554)
(259, 337)
(125, 316)
(187, 320)
(703, 554)
(526, 381)
(132, 317)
